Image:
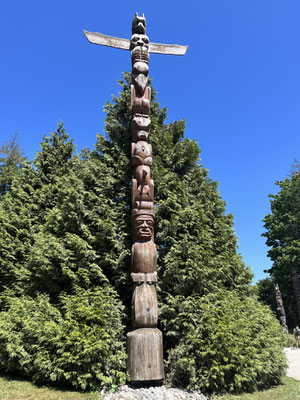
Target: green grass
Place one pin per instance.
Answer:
(288, 390)
(17, 389)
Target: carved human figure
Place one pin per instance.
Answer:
(143, 251)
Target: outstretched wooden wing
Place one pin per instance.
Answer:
(171, 49)
(120, 43)
(104, 40)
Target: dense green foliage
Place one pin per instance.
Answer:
(226, 344)
(79, 345)
(11, 161)
(265, 291)
(61, 319)
(65, 225)
(283, 236)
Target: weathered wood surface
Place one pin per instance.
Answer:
(143, 257)
(137, 277)
(105, 40)
(168, 49)
(145, 355)
(144, 308)
(124, 44)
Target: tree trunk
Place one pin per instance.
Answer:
(296, 287)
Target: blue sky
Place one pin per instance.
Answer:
(238, 86)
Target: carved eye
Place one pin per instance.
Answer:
(146, 40)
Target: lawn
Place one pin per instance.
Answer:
(288, 390)
(15, 389)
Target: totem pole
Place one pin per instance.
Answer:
(146, 339)
(144, 342)
(280, 308)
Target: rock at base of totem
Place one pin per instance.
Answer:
(145, 355)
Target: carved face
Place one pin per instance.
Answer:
(139, 24)
(139, 40)
(144, 226)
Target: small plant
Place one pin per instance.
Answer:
(290, 341)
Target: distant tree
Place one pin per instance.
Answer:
(295, 167)
(11, 160)
(265, 291)
(283, 236)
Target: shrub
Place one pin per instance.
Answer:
(80, 345)
(223, 343)
(290, 341)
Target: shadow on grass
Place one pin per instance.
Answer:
(39, 385)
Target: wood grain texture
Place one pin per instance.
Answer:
(137, 277)
(145, 355)
(124, 44)
(144, 308)
(169, 49)
(143, 257)
(105, 40)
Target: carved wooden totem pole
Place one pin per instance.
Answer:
(280, 308)
(144, 342)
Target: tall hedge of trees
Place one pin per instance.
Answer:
(283, 237)
(64, 267)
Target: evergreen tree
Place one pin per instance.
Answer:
(283, 236)
(265, 290)
(72, 333)
(198, 262)
(10, 163)
(67, 230)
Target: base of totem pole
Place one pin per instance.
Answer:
(145, 384)
(145, 356)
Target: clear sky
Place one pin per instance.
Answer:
(238, 86)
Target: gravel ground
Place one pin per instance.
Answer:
(293, 356)
(163, 393)
(152, 393)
